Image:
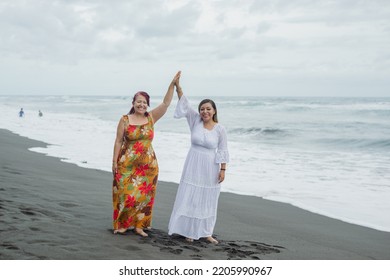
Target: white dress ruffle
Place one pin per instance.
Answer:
(195, 209)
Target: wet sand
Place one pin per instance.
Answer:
(50, 209)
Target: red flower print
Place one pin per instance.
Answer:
(131, 128)
(127, 223)
(140, 170)
(146, 188)
(118, 176)
(151, 202)
(138, 147)
(115, 215)
(151, 134)
(130, 201)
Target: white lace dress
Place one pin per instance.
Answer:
(195, 210)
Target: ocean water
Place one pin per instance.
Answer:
(330, 156)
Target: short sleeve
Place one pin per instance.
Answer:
(183, 109)
(222, 152)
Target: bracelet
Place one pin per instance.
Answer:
(223, 169)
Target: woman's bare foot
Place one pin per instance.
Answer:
(189, 240)
(120, 231)
(141, 232)
(212, 240)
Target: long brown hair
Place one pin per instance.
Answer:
(204, 101)
(147, 97)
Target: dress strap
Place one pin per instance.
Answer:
(126, 119)
(150, 119)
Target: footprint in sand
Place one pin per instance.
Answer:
(196, 257)
(171, 250)
(68, 204)
(12, 171)
(246, 249)
(132, 248)
(9, 246)
(27, 212)
(191, 248)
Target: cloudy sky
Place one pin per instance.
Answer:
(226, 47)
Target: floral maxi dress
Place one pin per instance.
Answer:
(134, 185)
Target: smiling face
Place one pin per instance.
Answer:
(206, 112)
(140, 104)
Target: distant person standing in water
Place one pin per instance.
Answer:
(134, 164)
(40, 114)
(21, 113)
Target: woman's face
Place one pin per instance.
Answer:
(140, 104)
(206, 112)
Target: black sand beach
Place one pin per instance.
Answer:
(55, 210)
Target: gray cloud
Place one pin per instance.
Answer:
(252, 39)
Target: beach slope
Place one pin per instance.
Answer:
(50, 209)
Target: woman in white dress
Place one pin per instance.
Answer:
(195, 209)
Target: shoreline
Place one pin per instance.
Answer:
(51, 209)
(281, 200)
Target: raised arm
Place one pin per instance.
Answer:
(184, 109)
(179, 91)
(161, 109)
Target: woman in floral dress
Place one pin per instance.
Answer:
(195, 209)
(134, 164)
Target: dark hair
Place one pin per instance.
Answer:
(204, 101)
(147, 97)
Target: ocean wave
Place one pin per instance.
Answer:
(358, 143)
(254, 131)
(242, 103)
